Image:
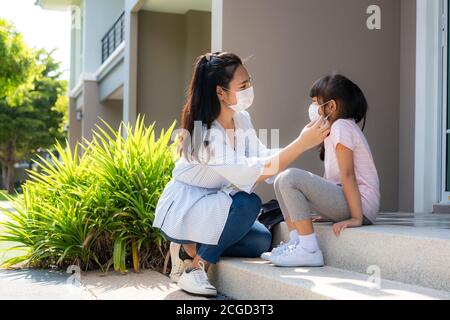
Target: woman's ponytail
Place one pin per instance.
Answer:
(202, 103)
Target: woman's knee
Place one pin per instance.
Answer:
(259, 240)
(247, 203)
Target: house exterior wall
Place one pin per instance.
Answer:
(167, 46)
(91, 19)
(74, 124)
(98, 17)
(198, 39)
(407, 105)
(112, 81)
(296, 42)
(93, 109)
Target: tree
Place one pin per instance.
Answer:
(31, 115)
(17, 61)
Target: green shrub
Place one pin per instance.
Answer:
(95, 209)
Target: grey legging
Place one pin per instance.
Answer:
(300, 192)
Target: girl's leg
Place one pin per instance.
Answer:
(293, 233)
(299, 191)
(243, 213)
(253, 244)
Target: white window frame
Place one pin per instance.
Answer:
(428, 131)
(445, 196)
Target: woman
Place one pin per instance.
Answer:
(208, 209)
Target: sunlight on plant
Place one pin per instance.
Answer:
(95, 209)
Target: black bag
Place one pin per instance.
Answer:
(270, 214)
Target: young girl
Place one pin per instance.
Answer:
(349, 193)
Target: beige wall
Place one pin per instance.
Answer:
(74, 124)
(296, 42)
(168, 44)
(198, 39)
(109, 110)
(407, 105)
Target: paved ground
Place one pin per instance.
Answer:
(57, 285)
(45, 284)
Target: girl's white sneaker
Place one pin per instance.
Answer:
(299, 257)
(196, 281)
(282, 247)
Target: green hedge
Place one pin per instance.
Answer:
(97, 209)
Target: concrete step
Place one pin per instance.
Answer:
(256, 279)
(412, 255)
(441, 208)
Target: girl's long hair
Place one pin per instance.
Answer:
(350, 100)
(202, 104)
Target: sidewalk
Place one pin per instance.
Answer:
(57, 285)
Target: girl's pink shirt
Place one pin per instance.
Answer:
(347, 133)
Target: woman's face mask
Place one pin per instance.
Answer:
(244, 99)
(314, 114)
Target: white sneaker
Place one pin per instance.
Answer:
(299, 257)
(178, 265)
(196, 281)
(282, 247)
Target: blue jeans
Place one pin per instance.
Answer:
(242, 235)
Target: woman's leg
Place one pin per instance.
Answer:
(253, 244)
(243, 213)
(190, 249)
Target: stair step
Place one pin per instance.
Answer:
(411, 255)
(256, 279)
(441, 208)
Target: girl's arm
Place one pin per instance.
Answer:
(351, 191)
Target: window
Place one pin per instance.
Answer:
(446, 104)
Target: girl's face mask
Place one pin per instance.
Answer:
(314, 111)
(244, 99)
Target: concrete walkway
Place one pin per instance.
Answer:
(57, 285)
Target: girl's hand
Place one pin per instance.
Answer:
(314, 133)
(341, 226)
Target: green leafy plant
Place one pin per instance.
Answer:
(95, 209)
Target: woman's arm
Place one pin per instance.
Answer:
(351, 191)
(311, 136)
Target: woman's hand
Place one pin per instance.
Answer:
(314, 133)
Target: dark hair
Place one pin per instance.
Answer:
(350, 100)
(211, 70)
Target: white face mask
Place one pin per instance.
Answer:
(244, 99)
(314, 111)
